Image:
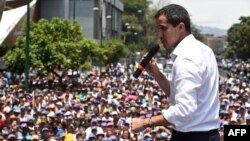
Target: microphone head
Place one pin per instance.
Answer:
(154, 48)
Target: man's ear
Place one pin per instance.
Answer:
(181, 27)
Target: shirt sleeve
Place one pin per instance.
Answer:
(187, 80)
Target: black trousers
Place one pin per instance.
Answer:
(212, 135)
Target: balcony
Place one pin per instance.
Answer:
(2, 4)
(11, 27)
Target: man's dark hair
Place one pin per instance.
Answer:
(175, 14)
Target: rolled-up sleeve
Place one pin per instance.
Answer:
(187, 79)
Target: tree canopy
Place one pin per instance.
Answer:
(134, 21)
(55, 47)
(139, 29)
(239, 40)
(114, 50)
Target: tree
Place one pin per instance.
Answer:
(114, 50)
(55, 47)
(239, 40)
(3, 49)
(144, 24)
(134, 22)
(158, 4)
(197, 33)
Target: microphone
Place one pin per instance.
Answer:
(146, 60)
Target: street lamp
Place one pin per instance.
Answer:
(139, 17)
(74, 10)
(127, 37)
(136, 35)
(108, 17)
(109, 29)
(27, 47)
(139, 11)
(100, 23)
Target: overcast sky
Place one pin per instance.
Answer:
(215, 13)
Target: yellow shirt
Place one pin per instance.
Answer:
(69, 137)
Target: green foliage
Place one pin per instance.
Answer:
(239, 40)
(90, 51)
(55, 47)
(196, 32)
(134, 21)
(3, 49)
(132, 6)
(144, 24)
(151, 36)
(114, 50)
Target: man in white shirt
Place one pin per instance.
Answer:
(193, 91)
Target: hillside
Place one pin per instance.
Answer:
(212, 30)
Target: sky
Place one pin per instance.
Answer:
(213, 13)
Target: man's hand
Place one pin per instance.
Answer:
(152, 68)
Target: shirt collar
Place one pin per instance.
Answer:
(178, 49)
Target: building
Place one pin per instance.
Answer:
(99, 19)
(218, 44)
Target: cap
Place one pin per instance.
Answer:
(147, 135)
(94, 120)
(110, 124)
(164, 135)
(51, 114)
(44, 112)
(100, 132)
(148, 139)
(70, 117)
(35, 137)
(114, 113)
(11, 136)
(113, 138)
(104, 124)
(45, 129)
(248, 118)
(23, 125)
(92, 136)
(59, 103)
(59, 133)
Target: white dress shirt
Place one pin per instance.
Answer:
(194, 90)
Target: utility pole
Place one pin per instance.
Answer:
(27, 47)
(111, 19)
(74, 10)
(101, 29)
(99, 19)
(100, 12)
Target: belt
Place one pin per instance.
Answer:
(210, 132)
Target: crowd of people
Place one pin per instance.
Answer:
(98, 106)
(235, 93)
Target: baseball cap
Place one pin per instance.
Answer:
(113, 138)
(164, 135)
(92, 136)
(11, 136)
(110, 124)
(100, 132)
(35, 137)
(148, 139)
